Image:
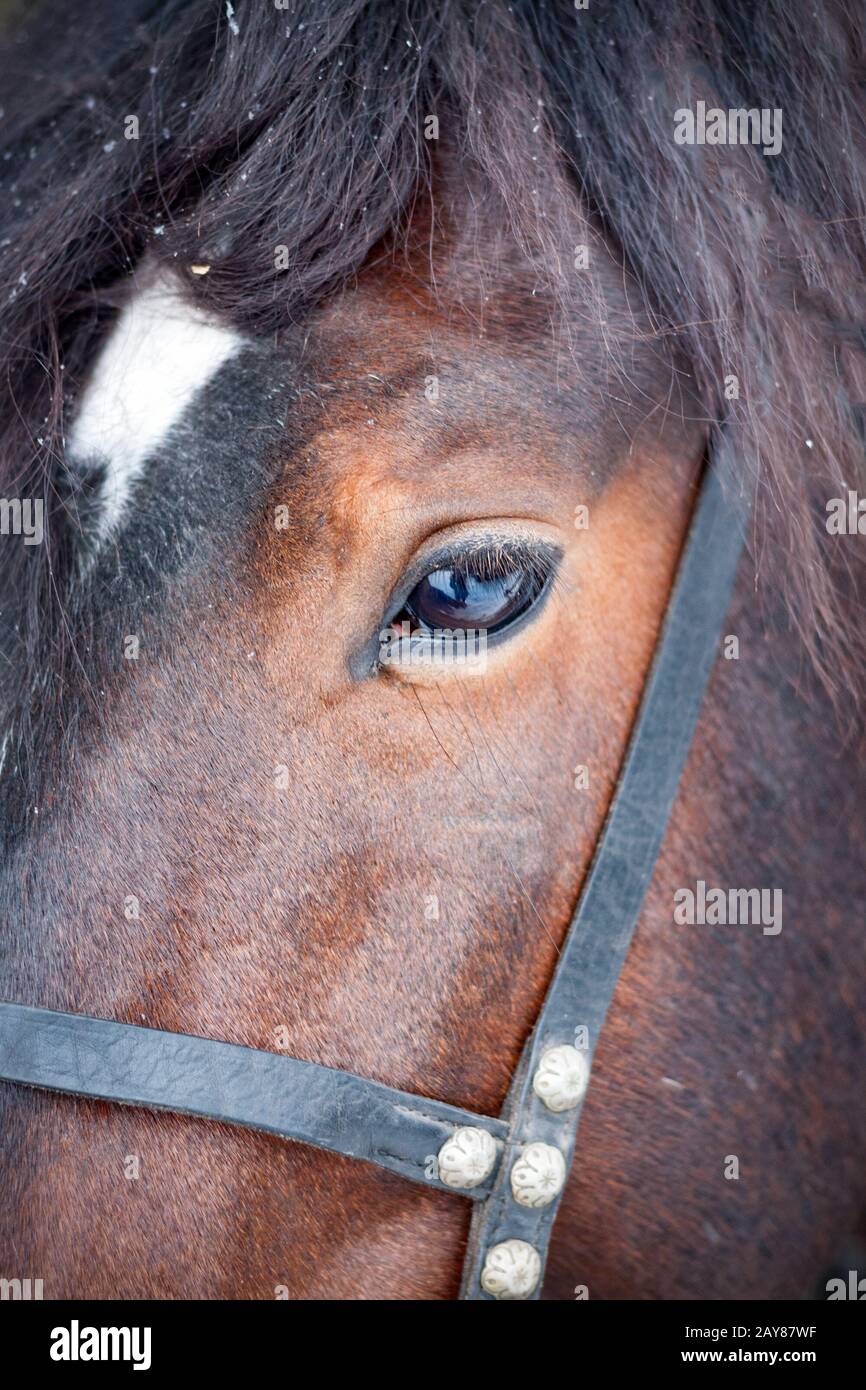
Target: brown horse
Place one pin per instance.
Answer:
(227, 816)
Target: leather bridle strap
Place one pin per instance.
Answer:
(509, 1238)
(223, 1081)
(517, 1163)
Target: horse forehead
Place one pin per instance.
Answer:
(159, 355)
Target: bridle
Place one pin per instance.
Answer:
(513, 1168)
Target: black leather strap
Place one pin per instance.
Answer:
(344, 1113)
(237, 1085)
(597, 941)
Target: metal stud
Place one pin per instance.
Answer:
(538, 1176)
(561, 1078)
(467, 1158)
(511, 1270)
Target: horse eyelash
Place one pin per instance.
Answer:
(495, 558)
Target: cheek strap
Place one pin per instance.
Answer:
(513, 1168)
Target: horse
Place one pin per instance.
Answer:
(323, 318)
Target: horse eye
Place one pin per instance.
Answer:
(486, 591)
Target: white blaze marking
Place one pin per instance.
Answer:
(160, 354)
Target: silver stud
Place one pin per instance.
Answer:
(467, 1158)
(511, 1270)
(538, 1175)
(561, 1078)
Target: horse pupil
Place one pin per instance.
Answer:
(456, 598)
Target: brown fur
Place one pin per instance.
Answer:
(305, 909)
